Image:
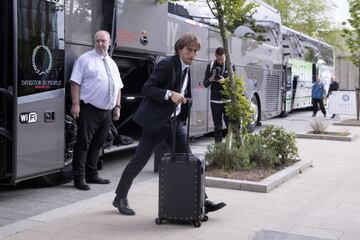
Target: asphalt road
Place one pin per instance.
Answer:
(30, 198)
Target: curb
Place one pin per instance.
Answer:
(347, 124)
(265, 185)
(349, 138)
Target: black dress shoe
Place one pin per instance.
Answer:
(123, 206)
(211, 207)
(97, 180)
(81, 185)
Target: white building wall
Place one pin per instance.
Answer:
(347, 74)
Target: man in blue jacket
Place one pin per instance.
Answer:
(318, 93)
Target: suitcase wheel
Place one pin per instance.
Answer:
(158, 221)
(205, 218)
(197, 223)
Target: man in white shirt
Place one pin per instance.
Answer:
(96, 94)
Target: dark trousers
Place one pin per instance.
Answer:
(316, 103)
(148, 142)
(218, 114)
(93, 128)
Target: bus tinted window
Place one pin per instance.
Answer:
(84, 18)
(310, 48)
(259, 30)
(197, 11)
(40, 46)
(267, 32)
(297, 45)
(327, 54)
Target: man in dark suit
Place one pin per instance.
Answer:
(167, 87)
(334, 86)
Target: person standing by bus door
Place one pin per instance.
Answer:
(317, 94)
(96, 94)
(215, 73)
(168, 85)
(334, 86)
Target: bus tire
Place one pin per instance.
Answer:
(255, 120)
(58, 178)
(284, 114)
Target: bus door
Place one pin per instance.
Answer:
(6, 91)
(287, 93)
(315, 72)
(141, 37)
(40, 95)
(141, 26)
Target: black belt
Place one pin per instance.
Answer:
(92, 106)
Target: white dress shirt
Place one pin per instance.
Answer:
(183, 88)
(89, 72)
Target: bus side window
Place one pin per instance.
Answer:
(244, 32)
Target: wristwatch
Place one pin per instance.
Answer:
(170, 94)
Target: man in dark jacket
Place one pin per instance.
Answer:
(167, 87)
(215, 73)
(334, 86)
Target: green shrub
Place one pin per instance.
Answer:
(240, 158)
(277, 140)
(261, 157)
(219, 156)
(270, 148)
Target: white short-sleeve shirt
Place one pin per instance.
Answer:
(90, 73)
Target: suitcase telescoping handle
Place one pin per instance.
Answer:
(173, 131)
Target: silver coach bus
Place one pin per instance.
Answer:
(41, 39)
(305, 59)
(31, 89)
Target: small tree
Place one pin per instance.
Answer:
(230, 14)
(352, 38)
(239, 111)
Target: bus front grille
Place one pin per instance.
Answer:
(272, 93)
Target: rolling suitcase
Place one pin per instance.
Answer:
(181, 186)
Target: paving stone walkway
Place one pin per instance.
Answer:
(322, 203)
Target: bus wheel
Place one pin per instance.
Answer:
(61, 177)
(255, 115)
(284, 114)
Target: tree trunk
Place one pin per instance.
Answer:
(234, 134)
(358, 97)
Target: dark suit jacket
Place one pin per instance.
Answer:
(154, 111)
(334, 86)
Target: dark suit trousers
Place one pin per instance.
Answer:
(319, 102)
(148, 141)
(218, 113)
(93, 128)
